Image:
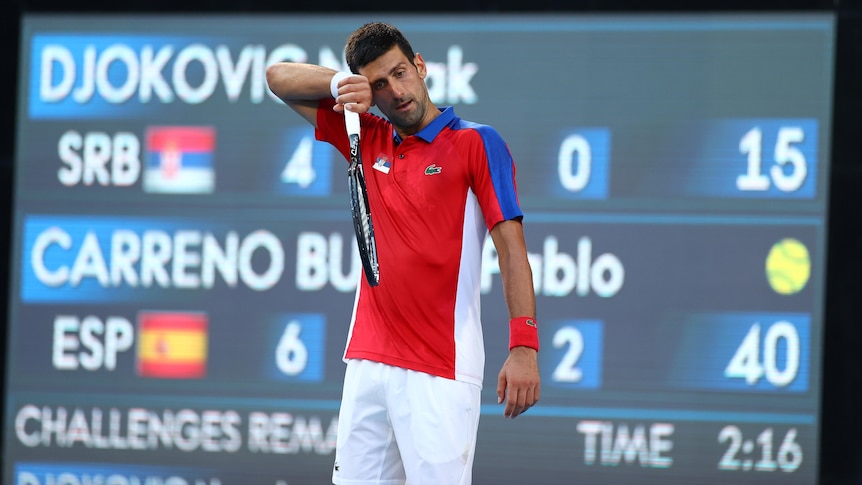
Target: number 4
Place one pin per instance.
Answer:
(300, 169)
(746, 361)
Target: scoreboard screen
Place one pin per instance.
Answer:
(184, 264)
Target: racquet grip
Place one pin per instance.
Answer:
(351, 121)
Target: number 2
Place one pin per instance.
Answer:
(567, 370)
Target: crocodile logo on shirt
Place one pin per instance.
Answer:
(433, 169)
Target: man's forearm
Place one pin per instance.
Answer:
(518, 288)
(292, 81)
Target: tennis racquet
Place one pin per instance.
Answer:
(359, 203)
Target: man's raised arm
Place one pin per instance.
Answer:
(300, 86)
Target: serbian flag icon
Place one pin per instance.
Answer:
(180, 160)
(172, 345)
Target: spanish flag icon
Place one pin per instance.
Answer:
(172, 345)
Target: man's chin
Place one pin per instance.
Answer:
(404, 122)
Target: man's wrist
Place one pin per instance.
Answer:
(333, 84)
(524, 332)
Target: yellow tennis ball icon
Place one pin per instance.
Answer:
(788, 266)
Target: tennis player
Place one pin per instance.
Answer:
(436, 186)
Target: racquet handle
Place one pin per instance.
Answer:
(351, 121)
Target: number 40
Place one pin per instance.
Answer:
(747, 362)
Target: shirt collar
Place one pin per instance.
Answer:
(446, 117)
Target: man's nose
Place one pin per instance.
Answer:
(397, 90)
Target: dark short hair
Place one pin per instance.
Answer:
(371, 41)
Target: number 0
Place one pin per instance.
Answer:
(575, 150)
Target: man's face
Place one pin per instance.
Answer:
(398, 89)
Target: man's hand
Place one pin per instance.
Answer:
(355, 91)
(518, 382)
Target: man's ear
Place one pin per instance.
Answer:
(421, 68)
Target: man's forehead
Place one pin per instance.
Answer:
(388, 62)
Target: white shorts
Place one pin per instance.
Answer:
(400, 426)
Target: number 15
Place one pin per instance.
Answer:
(751, 144)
